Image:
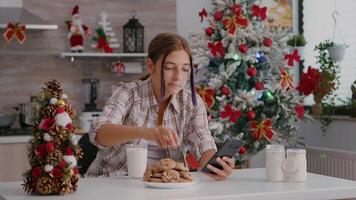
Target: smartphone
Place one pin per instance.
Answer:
(228, 149)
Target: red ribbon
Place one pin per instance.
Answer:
(203, 14)
(287, 80)
(259, 11)
(15, 30)
(263, 128)
(231, 113)
(216, 49)
(207, 94)
(292, 57)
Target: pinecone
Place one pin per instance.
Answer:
(62, 134)
(67, 187)
(55, 88)
(75, 181)
(49, 111)
(57, 186)
(45, 185)
(54, 157)
(29, 185)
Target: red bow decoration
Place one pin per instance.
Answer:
(231, 113)
(207, 94)
(216, 49)
(47, 124)
(203, 14)
(263, 128)
(292, 57)
(15, 30)
(287, 80)
(259, 11)
(103, 44)
(231, 23)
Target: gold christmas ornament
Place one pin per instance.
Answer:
(61, 103)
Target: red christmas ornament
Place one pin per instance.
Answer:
(69, 151)
(236, 9)
(299, 109)
(250, 115)
(251, 71)
(50, 147)
(218, 16)
(242, 150)
(62, 164)
(267, 42)
(259, 85)
(40, 150)
(57, 172)
(36, 172)
(225, 90)
(209, 31)
(243, 48)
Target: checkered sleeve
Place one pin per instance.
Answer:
(198, 135)
(114, 111)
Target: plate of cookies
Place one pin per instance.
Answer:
(168, 173)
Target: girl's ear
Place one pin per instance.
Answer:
(150, 65)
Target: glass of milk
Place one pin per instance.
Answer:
(136, 155)
(275, 156)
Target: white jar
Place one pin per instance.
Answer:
(295, 166)
(275, 156)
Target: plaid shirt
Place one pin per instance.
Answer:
(134, 104)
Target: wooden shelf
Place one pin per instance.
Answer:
(103, 55)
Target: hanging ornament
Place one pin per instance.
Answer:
(243, 150)
(15, 30)
(218, 15)
(264, 128)
(53, 101)
(36, 172)
(49, 147)
(259, 85)
(243, 48)
(230, 113)
(260, 56)
(250, 115)
(267, 42)
(251, 71)
(299, 109)
(61, 103)
(209, 31)
(225, 90)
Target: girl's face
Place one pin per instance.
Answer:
(176, 69)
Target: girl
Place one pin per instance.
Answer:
(134, 110)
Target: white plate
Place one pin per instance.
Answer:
(171, 185)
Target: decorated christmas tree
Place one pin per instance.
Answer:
(247, 85)
(52, 152)
(105, 36)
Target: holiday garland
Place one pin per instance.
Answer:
(52, 152)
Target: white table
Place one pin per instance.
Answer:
(243, 184)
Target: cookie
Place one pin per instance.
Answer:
(147, 174)
(183, 180)
(180, 167)
(157, 175)
(156, 180)
(186, 175)
(171, 176)
(166, 164)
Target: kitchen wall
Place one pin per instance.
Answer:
(24, 68)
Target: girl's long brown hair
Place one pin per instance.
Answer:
(162, 45)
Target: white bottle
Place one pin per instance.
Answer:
(275, 156)
(295, 166)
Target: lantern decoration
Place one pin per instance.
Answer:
(133, 35)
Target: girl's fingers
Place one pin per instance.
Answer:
(217, 171)
(230, 161)
(226, 167)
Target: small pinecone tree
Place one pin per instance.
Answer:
(52, 152)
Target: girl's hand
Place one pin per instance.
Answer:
(162, 136)
(219, 175)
